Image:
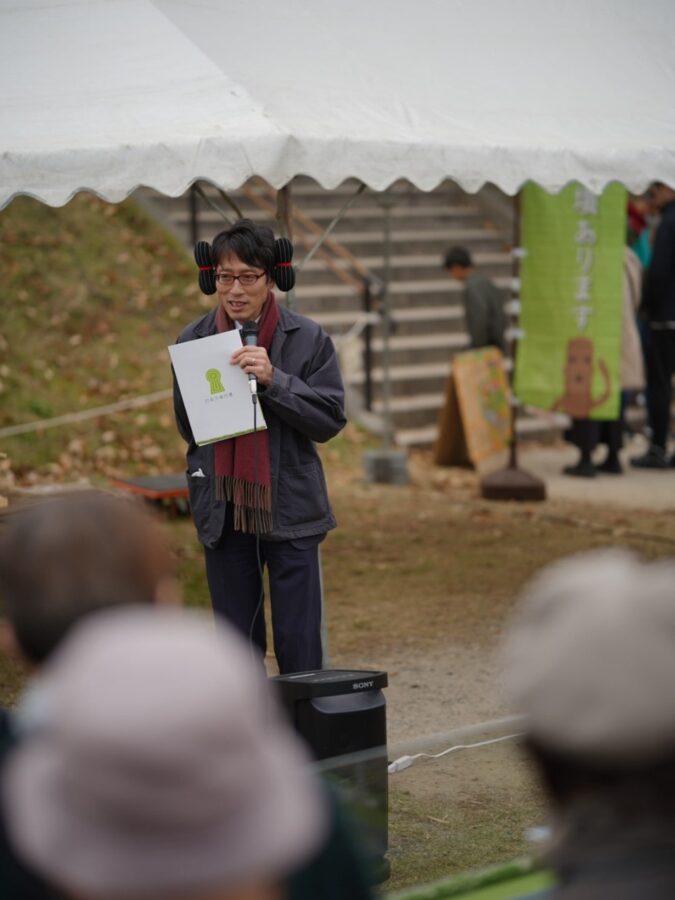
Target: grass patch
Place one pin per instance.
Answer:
(92, 295)
(465, 812)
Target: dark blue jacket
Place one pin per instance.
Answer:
(658, 292)
(304, 404)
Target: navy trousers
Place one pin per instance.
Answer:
(660, 370)
(236, 588)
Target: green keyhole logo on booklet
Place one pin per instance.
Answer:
(213, 377)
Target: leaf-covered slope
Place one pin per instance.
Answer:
(92, 293)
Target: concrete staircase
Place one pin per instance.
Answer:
(428, 322)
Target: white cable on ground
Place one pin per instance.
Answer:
(403, 762)
(69, 418)
(463, 733)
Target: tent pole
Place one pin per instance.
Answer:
(194, 215)
(284, 222)
(284, 201)
(511, 482)
(513, 342)
(388, 465)
(388, 442)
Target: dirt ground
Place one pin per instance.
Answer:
(472, 556)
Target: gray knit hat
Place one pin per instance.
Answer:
(590, 657)
(155, 761)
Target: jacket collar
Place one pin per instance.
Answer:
(207, 324)
(287, 319)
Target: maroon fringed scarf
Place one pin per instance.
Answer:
(242, 464)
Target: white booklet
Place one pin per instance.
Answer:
(216, 394)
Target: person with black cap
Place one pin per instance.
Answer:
(483, 301)
(261, 498)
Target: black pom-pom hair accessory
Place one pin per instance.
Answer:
(283, 273)
(207, 270)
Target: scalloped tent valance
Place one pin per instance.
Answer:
(107, 95)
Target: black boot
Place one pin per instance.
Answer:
(583, 469)
(654, 458)
(611, 465)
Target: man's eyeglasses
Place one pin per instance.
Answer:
(246, 279)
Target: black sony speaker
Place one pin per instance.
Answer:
(341, 714)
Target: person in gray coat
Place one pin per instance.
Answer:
(483, 301)
(261, 499)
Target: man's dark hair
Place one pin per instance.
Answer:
(458, 256)
(64, 558)
(253, 244)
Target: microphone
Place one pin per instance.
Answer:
(249, 338)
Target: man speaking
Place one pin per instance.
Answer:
(260, 499)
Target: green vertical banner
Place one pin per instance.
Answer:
(571, 293)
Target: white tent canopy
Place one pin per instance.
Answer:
(107, 95)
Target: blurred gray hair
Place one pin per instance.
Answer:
(65, 557)
(590, 658)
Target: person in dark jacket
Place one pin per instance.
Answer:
(483, 301)
(658, 310)
(261, 499)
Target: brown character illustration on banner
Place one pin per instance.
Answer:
(577, 400)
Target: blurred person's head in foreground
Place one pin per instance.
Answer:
(66, 557)
(590, 660)
(154, 763)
